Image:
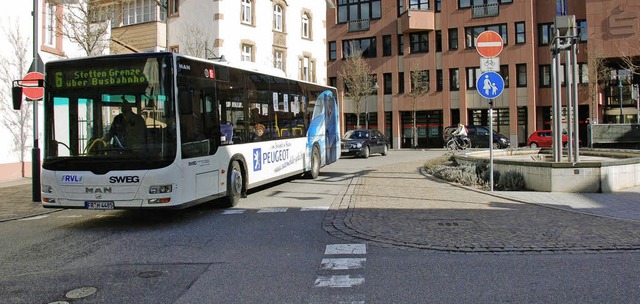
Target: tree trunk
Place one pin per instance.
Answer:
(414, 131)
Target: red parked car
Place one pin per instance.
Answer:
(543, 139)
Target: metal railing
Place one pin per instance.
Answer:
(358, 25)
(486, 10)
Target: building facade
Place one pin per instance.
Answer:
(288, 37)
(397, 37)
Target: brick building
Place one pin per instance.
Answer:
(400, 36)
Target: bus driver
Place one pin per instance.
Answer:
(127, 128)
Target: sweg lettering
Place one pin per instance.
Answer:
(275, 156)
(124, 179)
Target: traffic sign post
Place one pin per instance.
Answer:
(489, 64)
(31, 85)
(489, 44)
(490, 85)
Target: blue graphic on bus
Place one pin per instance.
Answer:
(257, 159)
(324, 128)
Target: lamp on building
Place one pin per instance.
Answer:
(366, 107)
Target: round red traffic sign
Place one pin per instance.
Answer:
(489, 44)
(30, 85)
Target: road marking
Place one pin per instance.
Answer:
(346, 249)
(342, 264)
(339, 281)
(315, 208)
(70, 216)
(234, 211)
(272, 210)
(39, 217)
(332, 299)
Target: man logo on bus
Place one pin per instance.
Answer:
(257, 159)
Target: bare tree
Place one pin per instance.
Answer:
(14, 67)
(85, 24)
(419, 87)
(194, 41)
(356, 77)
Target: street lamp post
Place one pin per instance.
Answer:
(620, 90)
(366, 107)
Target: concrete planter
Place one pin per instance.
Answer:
(597, 171)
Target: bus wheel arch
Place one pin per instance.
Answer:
(236, 181)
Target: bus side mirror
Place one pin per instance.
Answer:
(16, 93)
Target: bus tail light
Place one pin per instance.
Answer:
(160, 189)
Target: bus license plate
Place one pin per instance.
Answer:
(99, 205)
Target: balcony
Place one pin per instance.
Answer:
(358, 25)
(417, 21)
(486, 10)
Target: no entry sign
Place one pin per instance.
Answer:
(30, 85)
(489, 44)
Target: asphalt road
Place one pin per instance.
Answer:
(272, 248)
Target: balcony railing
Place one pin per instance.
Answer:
(358, 25)
(486, 10)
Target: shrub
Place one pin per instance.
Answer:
(510, 181)
(438, 161)
(476, 174)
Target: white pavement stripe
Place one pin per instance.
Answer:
(342, 264)
(314, 208)
(234, 211)
(272, 210)
(488, 44)
(336, 298)
(70, 216)
(339, 281)
(39, 217)
(346, 249)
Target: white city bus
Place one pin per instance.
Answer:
(198, 141)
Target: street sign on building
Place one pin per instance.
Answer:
(489, 44)
(490, 85)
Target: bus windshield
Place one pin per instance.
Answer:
(118, 110)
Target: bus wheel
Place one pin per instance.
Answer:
(234, 184)
(315, 164)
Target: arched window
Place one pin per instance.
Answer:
(246, 12)
(306, 26)
(278, 22)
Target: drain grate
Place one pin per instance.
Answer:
(451, 224)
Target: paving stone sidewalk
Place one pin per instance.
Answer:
(399, 205)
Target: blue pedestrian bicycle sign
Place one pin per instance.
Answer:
(490, 85)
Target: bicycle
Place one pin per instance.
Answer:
(458, 145)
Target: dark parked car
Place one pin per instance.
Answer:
(479, 136)
(363, 143)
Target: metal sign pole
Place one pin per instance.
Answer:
(491, 145)
(35, 152)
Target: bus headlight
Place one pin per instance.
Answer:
(160, 189)
(46, 189)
